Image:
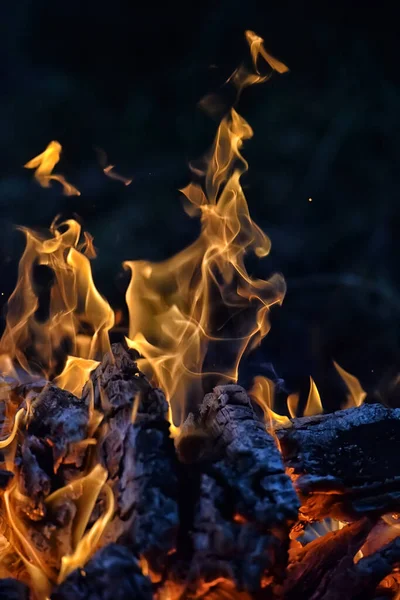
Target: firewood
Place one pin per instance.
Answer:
(246, 502)
(139, 456)
(323, 556)
(59, 419)
(345, 464)
(359, 581)
(113, 573)
(12, 589)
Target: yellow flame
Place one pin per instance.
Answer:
(109, 171)
(17, 421)
(75, 374)
(314, 404)
(241, 76)
(262, 392)
(75, 304)
(44, 164)
(257, 49)
(89, 542)
(293, 404)
(173, 305)
(356, 395)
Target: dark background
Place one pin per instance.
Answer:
(127, 77)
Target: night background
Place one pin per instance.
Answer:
(127, 77)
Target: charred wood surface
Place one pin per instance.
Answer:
(112, 574)
(59, 419)
(11, 589)
(359, 581)
(324, 556)
(345, 464)
(246, 501)
(139, 455)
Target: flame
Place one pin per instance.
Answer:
(109, 171)
(292, 404)
(88, 543)
(75, 304)
(257, 49)
(17, 421)
(44, 164)
(262, 392)
(356, 395)
(192, 318)
(314, 404)
(184, 310)
(75, 374)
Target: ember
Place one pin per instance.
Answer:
(142, 469)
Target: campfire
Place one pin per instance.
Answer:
(141, 469)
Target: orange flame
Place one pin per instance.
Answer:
(44, 164)
(174, 305)
(262, 392)
(356, 395)
(75, 304)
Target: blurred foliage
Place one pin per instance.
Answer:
(127, 78)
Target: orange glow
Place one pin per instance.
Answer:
(44, 164)
(356, 395)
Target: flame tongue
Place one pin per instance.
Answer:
(74, 304)
(183, 311)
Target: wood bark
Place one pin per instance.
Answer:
(246, 502)
(345, 464)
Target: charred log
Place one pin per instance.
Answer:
(246, 501)
(60, 419)
(345, 464)
(139, 456)
(112, 574)
(12, 589)
(322, 557)
(359, 581)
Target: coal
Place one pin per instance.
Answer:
(113, 573)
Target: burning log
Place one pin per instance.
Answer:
(246, 502)
(359, 581)
(322, 557)
(112, 574)
(11, 589)
(344, 464)
(139, 455)
(60, 419)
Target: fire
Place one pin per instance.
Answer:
(202, 302)
(44, 164)
(75, 305)
(356, 394)
(192, 318)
